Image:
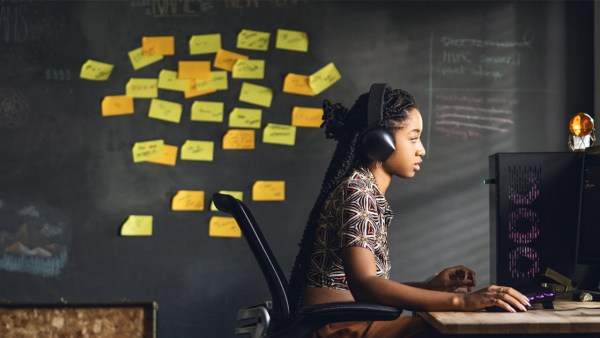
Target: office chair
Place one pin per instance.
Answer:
(274, 318)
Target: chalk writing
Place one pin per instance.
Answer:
(58, 75)
(13, 25)
(14, 108)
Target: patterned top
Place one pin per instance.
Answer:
(355, 214)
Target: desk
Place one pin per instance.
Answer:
(568, 319)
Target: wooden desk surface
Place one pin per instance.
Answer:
(567, 317)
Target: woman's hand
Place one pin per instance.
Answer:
(493, 295)
(452, 279)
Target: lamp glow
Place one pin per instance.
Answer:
(582, 136)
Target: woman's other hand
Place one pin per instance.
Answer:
(453, 279)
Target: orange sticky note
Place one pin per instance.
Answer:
(117, 105)
(194, 70)
(297, 84)
(268, 191)
(191, 90)
(224, 227)
(169, 156)
(307, 117)
(158, 45)
(239, 139)
(226, 59)
(188, 200)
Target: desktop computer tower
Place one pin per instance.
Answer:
(534, 204)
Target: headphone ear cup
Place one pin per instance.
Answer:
(378, 144)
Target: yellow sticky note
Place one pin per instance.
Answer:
(192, 91)
(254, 40)
(165, 110)
(139, 60)
(256, 94)
(291, 40)
(137, 225)
(236, 194)
(268, 191)
(144, 151)
(158, 45)
(245, 118)
(279, 134)
(297, 84)
(117, 105)
(193, 150)
(307, 117)
(167, 79)
(249, 69)
(324, 78)
(205, 44)
(207, 111)
(219, 79)
(238, 139)
(169, 156)
(142, 88)
(224, 227)
(188, 200)
(194, 69)
(226, 59)
(96, 70)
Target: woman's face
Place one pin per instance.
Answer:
(405, 161)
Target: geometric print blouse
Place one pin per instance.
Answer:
(354, 214)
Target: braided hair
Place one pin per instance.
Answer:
(345, 126)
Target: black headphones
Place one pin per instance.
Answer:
(377, 143)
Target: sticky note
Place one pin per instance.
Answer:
(142, 88)
(268, 191)
(167, 79)
(117, 105)
(226, 59)
(194, 69)
(279, 134)
(254, 40)
(245, 118)
(193, 150)
(207, 111)
(205, 44)
(188, 200)
(158, 45)
(236, 194)
(248, 69)
(291, 40)
(224, 227)
(239, 139)
(216, 81)
(256, 94)
(143, 151)
(139, 60)
(165, 110)
(307, 117)
(96, 70)
(324, 78)
(192, 91)
(169, 156)
(137, 225)
(297, 84)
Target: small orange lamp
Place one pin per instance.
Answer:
(582, 136)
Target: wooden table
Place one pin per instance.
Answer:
(567, 319)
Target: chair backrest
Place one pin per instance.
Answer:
(276, 280)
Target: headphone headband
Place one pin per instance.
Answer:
(375, 104)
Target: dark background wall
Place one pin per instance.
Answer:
(489, 77)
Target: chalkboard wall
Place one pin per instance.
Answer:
(488, 76)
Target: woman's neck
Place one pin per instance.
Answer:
(382, 178)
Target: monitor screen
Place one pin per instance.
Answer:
(589, 213)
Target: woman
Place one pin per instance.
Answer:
(343, 253)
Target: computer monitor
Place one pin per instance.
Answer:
(588, 251)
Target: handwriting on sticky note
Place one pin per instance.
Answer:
(158, 45)
(245, 118)
(188, 200)
(248, 69)
(324, 78)
(256, 94)
(207, 111)
(137, 225)
(254, 40)
(291, 40)
(194, 70)
(238, 139)
(219, 79)
(167, 79)
(165, 110)
(192, 91)
(96, 70)
(226, 59)
(224, 227)
(194, 150)
(268, 191)
(279, 134)
(307, 117)
(139, 60)
(143, 151)
(236, 194)
(117, 105)
(297, 84)
(169, 156)
(205, 44)
(142, 88)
